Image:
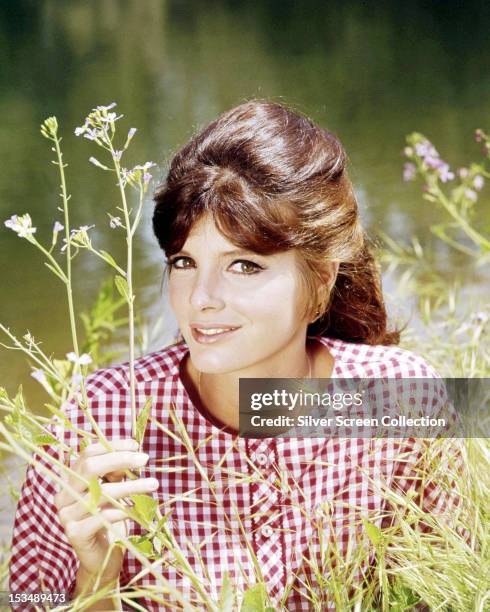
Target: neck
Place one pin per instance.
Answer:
(219, 392)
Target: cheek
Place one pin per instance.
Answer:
(176, 295)
(275, 303)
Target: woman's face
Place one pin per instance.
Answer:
(235, 309)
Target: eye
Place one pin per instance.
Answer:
(247, 267)
(180, 263)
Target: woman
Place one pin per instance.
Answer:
(270, 275)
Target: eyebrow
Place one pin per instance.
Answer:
(224, 253)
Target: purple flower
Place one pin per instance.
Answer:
(434, 162)
(131, 133)
(117, 155)
(409, 171)
(57, 227)
(478, 182)
(470, 195)
(463, 172)
(445, 174)
(425, 148)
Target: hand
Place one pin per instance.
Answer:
(86, 532)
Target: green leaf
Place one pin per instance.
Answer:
(374, 533)
(109, 258)
(42, 439)
(95, 492)
(144, 509)
(254, 599)
(143, 544)
(122, 286)
(142, 420)
(226, 598)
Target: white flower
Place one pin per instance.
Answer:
(58, 227)
(40, 376)
(105, 108)
(84, 359)
(76, 379)
(478, 182)
(115, 222)
(22, 225)
(97, 163)
(79, 237)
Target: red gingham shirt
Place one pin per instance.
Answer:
(279, 487)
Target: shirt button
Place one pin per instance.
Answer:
(262, 459)
(267, 531)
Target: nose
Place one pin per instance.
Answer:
(207, 292)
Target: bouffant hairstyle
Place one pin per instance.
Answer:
(273, 180)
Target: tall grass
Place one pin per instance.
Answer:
(422, 560)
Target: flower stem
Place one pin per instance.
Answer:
(84, 405)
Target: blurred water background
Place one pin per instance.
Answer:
(370, 72)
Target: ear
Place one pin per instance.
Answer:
(330, 274)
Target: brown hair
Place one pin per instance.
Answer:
(273, 180)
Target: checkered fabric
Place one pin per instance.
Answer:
(288, 498)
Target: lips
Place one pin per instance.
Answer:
(209, 333)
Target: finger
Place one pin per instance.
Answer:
(117, 444)
(78, 532)
(116, 490)
(98, 465)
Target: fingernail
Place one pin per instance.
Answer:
(140, 458)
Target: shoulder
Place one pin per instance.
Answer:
(376, 360)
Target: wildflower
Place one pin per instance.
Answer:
(433, 162)
(79, 237)
(478, 182)
(41, 378)
(105, 108)
(22, 225)
(131, 133)
(97, 163)
(76, 379)
(409, 171)
(479, 135)
(463, 173)
(57, 227)
(470, 195)
(115, 222)
(425, 149)
(408, 151)
(84, 359)
(117, 155)
(445, 174)
(110, 118)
